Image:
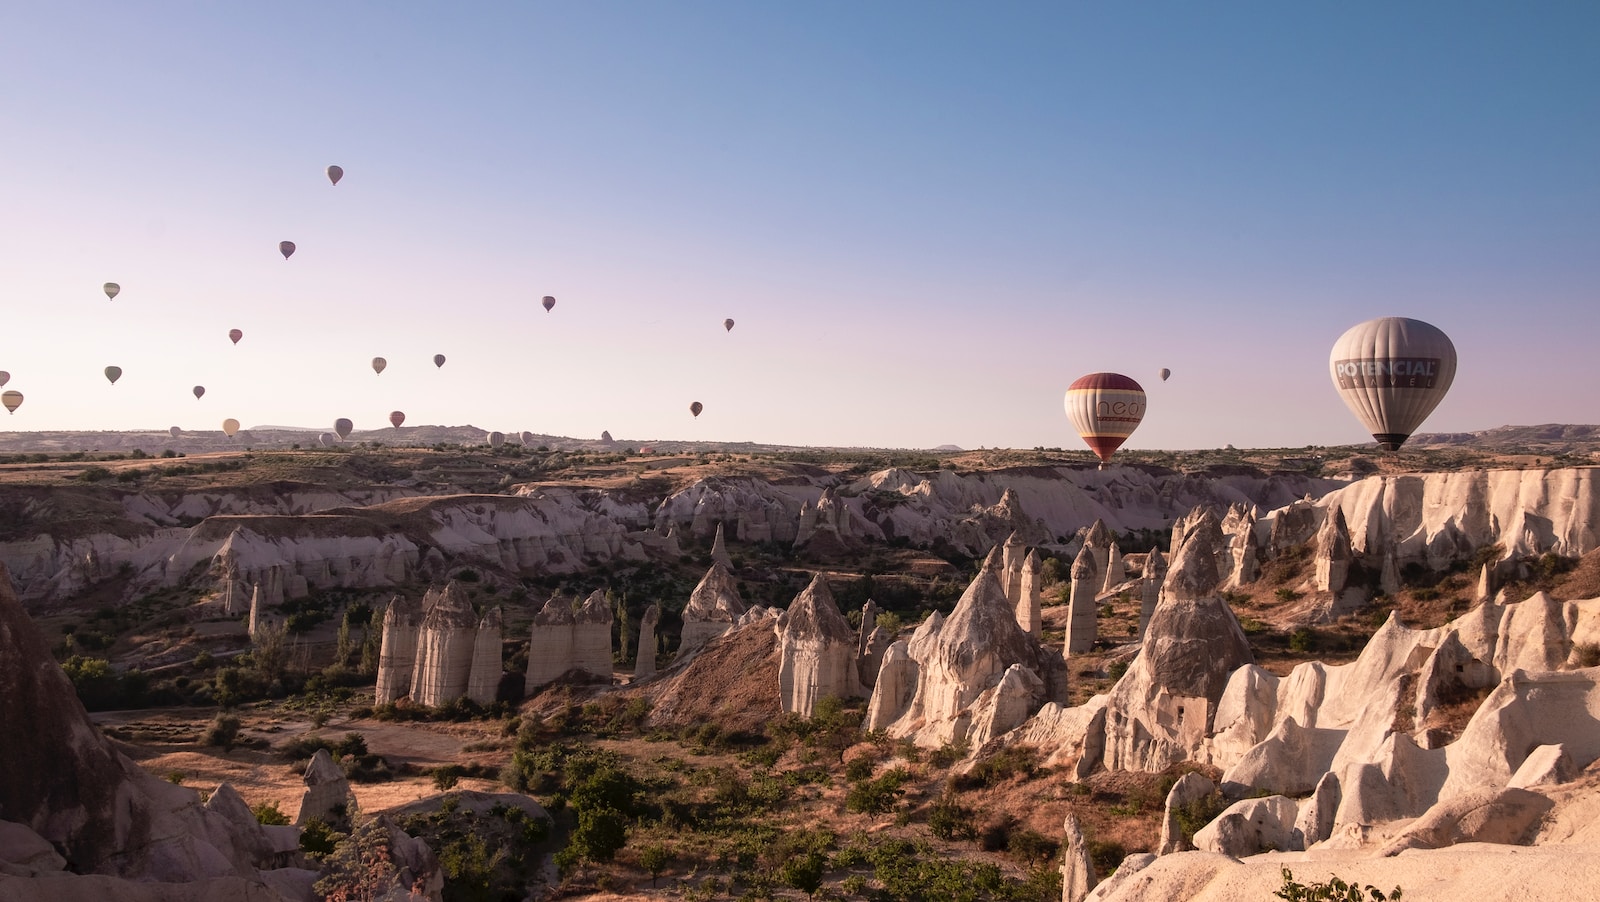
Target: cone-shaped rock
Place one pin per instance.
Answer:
(816, 651)
(713, 609)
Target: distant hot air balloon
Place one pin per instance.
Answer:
(112, 290)
(175, 431)
(727, 325)
(286, 248)
(335, 173)
(548, 303)
(1392, 372)
(4, 377)
(528, 439)
(327, 439)
(113, 373)
(230, 427)
(1105, 408)
(696, 407)
(12, 399)
(234, 335)
(438, 360)
(396, 418)
(342, 427)
(378, 364)
(1165, 374)
(496, 439)
(198, 391)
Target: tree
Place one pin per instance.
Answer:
(655, 859)
(804, 872)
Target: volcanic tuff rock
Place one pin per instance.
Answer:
(397, 655)
(1082, 612)
(1077, 868)
(953, 662)
(327, 791)
(713, 608)
(816, 651)
(570, 638)
(446, 642)
(644, 665)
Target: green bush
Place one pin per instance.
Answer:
(268, 814)
(1334, 890)
(222, 731)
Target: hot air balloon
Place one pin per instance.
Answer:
(438, 360)
(230, 427)
(548, 303)
(1165, 374)
(198, 391)
(342, 427)
(727, 325)
(12, 399)
(4, 377)
(112, 290)
(113, 373)
(696, 407)
(496, 439)
(1105, 408)
(335, 173)
(286, 248)
(528, 439)
(378, 363)
(234, 335)
(396, 418)
(326, 439)
(175, 431)
(1392, 372)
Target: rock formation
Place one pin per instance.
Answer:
(327, 797)
(446, 641)
(1027, 605)
(713, 608)
(1077, 868)
(488, 660)
(719, 550)
(397, 654)
(1116, 572)
(1083, 615)
(817, 651)
(1012, 555)
(570, 639)
(644, 665)
(1155, 574)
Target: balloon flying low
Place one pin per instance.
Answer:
(112, 290)
(4, 377)
(342, 427)
(286, 248)
(1105, 408)
(496, 439)
(1165, 374)
(175, 431)
(548, 302)
(335, 173)
(12, 399)
(1392, 372)
(198, 391)
(234, 335)
(396, 418)
(528, 439)
(438, 360)
(696, 407)
(378, 364)
(230, 427)
(727, 325)
(326, 439)
(113, 373)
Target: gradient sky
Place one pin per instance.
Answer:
(926, 218)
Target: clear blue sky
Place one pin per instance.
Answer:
(926, 218)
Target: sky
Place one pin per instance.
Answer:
(926, 219)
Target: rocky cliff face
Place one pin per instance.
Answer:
(816, 651)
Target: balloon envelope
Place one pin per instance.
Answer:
(113, 373)
(1105, 408)
(175, 431)
(438, 360)
(12, 400)
(396, 418)
(496, 439)
(727, 324)
(327, 439)
(696, 407)
(1165, 374)
(199, 390)
(1392, 372)
(234, 335)
(112, 290)
(378, 364)
(4, 377)
(342, 427)
(548, 303)
(286, 248)
(230, 427)
(528, 439)
(335, 173)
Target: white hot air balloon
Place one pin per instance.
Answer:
(230, 427)
(1165, 374)
(342, 427)
(1392, 372)
(528, 439)
(1105, 408)
(327, 439)
(496, 439)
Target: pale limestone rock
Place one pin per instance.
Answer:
(1485, 583)
(1450, 672)
(1190, 788)
(1244, 715)
(1004, 706)
(1082, 613)
(869, 622)
(1074, 738)
(591, 637)
(719, 549)
(1012, 554)
(1027, 606)
(1389, 572)
(1290, 760)
(1244, 551)
(397, 656)
(446, 640)
(327, 791)
(23, 848)
(713, 608)
(1116, 572)
(895, 684)
(1155, 573)
(1314, 823)
(817, 651)
(488, 663)
(1250, 827)
(1547, 765)
(644, 665)
(1504, 816)
(1333, 555)
(550, 644)
(1125, 873)
(1077, 868)
(1098, 540)
(1293, 525)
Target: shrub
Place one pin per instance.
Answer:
(950, 820)
(1334, 890)
(222, 731)
(268, 814)
(877, 796)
